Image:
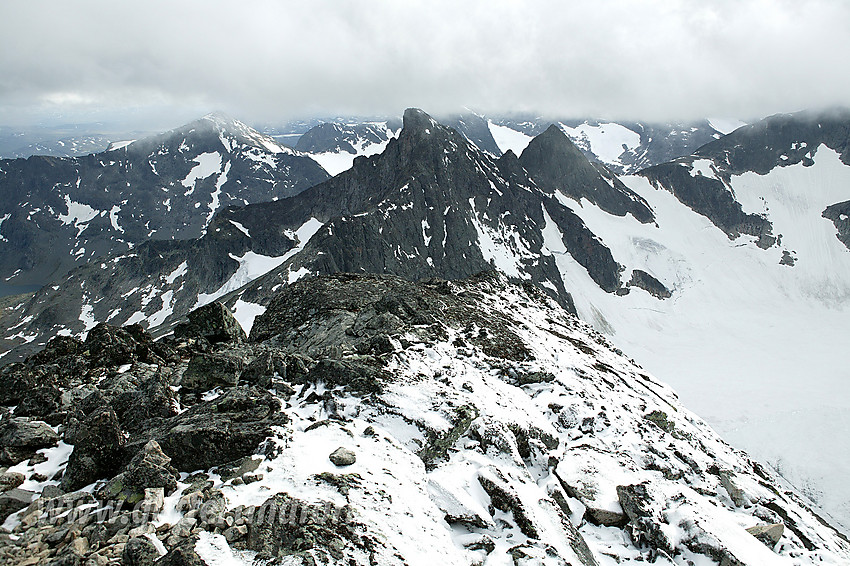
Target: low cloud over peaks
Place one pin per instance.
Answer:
(271, 60)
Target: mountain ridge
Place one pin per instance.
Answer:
(369, 419)
(673, 292)
(117, 199)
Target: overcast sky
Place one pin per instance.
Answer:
(271, 61)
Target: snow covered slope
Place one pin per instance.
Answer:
(721, 271)
(371, 420)
(752, 338)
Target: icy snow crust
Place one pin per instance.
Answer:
(508, 138)
(782, 390)
(405, 504)
(337, 162)
(606, 140)
(253, 265)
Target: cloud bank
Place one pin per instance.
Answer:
(271, 60)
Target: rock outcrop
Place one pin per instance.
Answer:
(372, 420)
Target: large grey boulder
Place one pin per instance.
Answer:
(149, 468)
(139, 551)
(14, 500)
(213, 322)
(182, 555)
(218, 431)
(342, 457)
(98, 451)
(20, 438)
(320, 532)
(768, 534)
(207, 371)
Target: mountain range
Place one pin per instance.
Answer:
(724, 270)
(59, 212)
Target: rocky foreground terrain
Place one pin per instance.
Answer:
(370, 420)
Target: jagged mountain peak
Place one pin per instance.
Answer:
(558, 166)
(416, 122)
(554, 147)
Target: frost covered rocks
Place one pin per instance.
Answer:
(373, 420)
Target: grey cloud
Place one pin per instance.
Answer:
(265, 60)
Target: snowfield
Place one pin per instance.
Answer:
(781, 388)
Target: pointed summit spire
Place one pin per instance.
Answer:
(418, 124)
(555, 164)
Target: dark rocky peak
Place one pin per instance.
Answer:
(780, 140)
(556, 164)
(476, 129)
(417, 123)
(213, 132)
(552, 156)
(425, 157)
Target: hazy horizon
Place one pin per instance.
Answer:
(160, 64)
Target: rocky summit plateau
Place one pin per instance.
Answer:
(371, 420)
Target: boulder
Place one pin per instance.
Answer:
(342, 457)
(270, 368)
(10, 480)
(150, 468)
(642, 510)
(319, 532)
(112, 346)
(219, 431)
(768, 534)
(182, 555)
(354, 375)
(207, 371)
(20, 438)
(139, 551)
(39, 402)
(736, 494)
(214, 322)
(13, 501)
(153, 400)
(504, 498)
(15, 380)
(98, 452)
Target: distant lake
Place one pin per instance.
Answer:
(6, 290)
